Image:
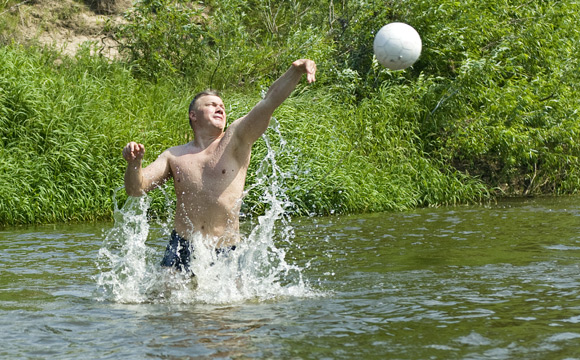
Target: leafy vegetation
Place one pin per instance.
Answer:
(490, 108)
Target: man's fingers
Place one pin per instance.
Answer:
(133, 151)
(311, 71)
(311, 76)
(309, 67)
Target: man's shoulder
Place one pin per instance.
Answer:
(178, 150)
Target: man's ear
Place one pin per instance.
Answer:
(191, 118)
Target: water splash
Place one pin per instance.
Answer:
(258, 270)
(123, 260)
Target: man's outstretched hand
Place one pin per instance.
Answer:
(308, 67)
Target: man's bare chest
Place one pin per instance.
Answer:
(200, 172)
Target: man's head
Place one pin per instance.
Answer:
(195, 102)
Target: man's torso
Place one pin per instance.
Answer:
(209, 186)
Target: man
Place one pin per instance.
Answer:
(209, 172)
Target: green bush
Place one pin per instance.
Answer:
(510, 97)
(217, 44)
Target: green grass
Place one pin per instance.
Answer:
(490, 109)
(62, 128)
(63, 123)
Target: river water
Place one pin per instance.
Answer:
(474, 282)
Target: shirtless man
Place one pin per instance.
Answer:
(209, 172)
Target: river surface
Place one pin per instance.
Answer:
(473, 282)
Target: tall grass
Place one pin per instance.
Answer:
(341, 158)
(491, 107)
(63, 123)
(496, 81)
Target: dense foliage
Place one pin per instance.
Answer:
(491, 107)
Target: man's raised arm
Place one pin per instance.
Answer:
(255, 123)
(139, 181)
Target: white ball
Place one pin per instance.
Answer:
(397, 46)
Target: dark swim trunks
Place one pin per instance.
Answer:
(178, 253)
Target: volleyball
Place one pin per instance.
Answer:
(397, 46)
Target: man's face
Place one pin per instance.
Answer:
(210, 110)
